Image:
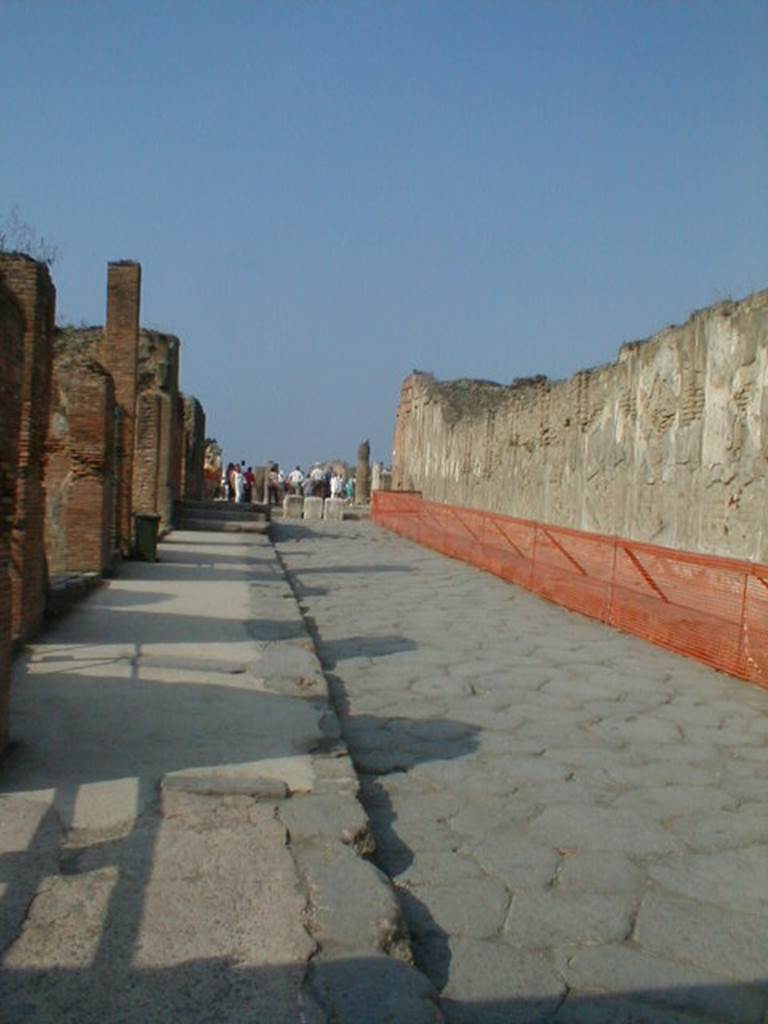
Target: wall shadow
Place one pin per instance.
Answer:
(354, 990)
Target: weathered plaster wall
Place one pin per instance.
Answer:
(668, 444)
(80, 466)
(11, 370)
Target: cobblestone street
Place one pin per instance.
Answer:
(576, 821)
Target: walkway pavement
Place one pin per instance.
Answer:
(576, 822)
(179, 834)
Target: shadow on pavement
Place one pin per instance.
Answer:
(363, 990)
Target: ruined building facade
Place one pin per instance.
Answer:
(668, 445)
(93, 431)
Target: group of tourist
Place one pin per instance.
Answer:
(238, 484)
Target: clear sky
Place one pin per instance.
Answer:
(326, 195)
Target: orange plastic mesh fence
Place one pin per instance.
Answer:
(708, 608)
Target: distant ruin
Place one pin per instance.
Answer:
(668, 445)
(93, 431)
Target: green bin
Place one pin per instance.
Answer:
(145, 530)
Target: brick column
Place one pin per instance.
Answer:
(31, 284)
(79, 476)
(193, 450)
(11, 371)
(118, 354)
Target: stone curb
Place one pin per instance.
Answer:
(353, 911)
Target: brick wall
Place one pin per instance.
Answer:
(193, 450)
(80, 470)
(31, 284)
(118, 354)
(11, 369)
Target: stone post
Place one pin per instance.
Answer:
(118, 354)
(363, 474)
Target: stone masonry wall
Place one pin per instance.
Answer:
(11, 371)
(668, 445)
(33, 289)
(158, 426)
(80, 472)
(193, 450)
(118, 354)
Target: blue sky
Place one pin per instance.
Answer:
(324, 196)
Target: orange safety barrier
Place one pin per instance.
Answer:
(709, 608)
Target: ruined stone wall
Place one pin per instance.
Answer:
(11, 372)
(158, 426)
(33, 289)
(80, 470)
(118, 354)
(193, 450)
(669, 444)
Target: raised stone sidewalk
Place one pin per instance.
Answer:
(180, 838)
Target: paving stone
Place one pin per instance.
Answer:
(475, 908)
(670, 801)
(724, 829)
(489, 983)
(730, 943)
(518, 863)
(551, 917)
(371, 921)
(601, 828)
(734, 878)
(665, 981)
(610, 872)
(449, 866)
(376, 989)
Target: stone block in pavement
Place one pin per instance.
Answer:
(293, 506)
(579, 826)
(340, 816)
(726, 942)
(549, 917)
(353, 907)
(374, 989)
(661, 981)
(489, 983)
(476, 908)
(334, 508)
(313, 508)
(731, 878)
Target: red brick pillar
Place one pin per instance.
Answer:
(118, 354)
(31, 283)
(11, 372)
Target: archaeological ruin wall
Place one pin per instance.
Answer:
(159, 427)
(667, 445)
(11, 373)
(118, 354)
(193, 450)
(80, 478)
(31, 285)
